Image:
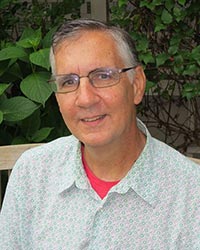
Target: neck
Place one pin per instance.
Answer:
(112, 162)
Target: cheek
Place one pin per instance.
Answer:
(120, 98)
(64, 106)
(59, 100)
(127, 96)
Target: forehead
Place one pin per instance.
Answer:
(85, 43)
(85, 35)
(85, 52)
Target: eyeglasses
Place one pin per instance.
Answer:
(99, 78)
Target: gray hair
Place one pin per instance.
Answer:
(70, 29)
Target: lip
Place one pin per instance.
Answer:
(93, 120)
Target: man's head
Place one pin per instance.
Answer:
(73, 29)
(97, 115)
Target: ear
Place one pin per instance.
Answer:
(139, 84)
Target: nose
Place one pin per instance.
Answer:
(87, 95)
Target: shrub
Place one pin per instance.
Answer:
(167, 39)
(28, 111)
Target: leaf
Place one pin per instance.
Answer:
(31, 124)
(196, 54)
(176, 39)
(12, 52)
(3, 66)
(15, 70)
(17, 108)
(150, 4)
(142, 44)
(143, 3)
(191, 70)
(41, 134)
(36, 88)
(3, 87)
(178, 59)
(30, 38)
(189, 90)
(41, 58)
(182, 2)
(159, 27)
(149, 85)
(122, 2)
(166, 17)
(161, 59)
(178, 69)
(146, 58)
(46, 42)
(1, 116)
(169, 4)
(19, 140)
(173, 49)
(196, 50)
(157, 2)
(174, 44)
(177, 13)
(3, 3)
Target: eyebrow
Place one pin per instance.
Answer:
(96, 69)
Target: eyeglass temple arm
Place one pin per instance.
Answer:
(126, 69)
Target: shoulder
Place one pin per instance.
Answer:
(55, 148)
(43, 167)
(164, 158)
(171, 158)
(175, 170)
(48, 157)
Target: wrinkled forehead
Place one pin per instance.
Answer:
(88, 41)
(90, 47)
(107, 42)
(75, 36)
(87, 46)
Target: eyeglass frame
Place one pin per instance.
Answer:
(118, 71)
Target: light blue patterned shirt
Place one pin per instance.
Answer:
(50, 204)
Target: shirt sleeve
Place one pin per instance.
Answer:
(190, 235)
(10, 218)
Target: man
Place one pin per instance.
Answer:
(110, 185)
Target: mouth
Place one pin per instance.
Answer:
(93, 119)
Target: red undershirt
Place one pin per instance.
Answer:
(100, 186)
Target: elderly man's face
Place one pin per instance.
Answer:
(97, 116)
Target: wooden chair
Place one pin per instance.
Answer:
(195, 160)
(9, 155)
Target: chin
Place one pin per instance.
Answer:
(97, 142)
(91, 141)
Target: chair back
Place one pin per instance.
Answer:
(10, 154)
(8, 157)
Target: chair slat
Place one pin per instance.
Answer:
(9, 154)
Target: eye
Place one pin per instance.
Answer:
(66, 81)
(102, 75)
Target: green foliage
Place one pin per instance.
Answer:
(167, 39)
(28, 110)
(17, 108)
(16, 15)
(166, 33)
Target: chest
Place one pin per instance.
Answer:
(77, 221)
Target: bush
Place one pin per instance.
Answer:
(28, 111)
(167, 39)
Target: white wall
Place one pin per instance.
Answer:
(96, 9)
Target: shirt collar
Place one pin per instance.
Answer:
(72, 171)
(142, 177)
